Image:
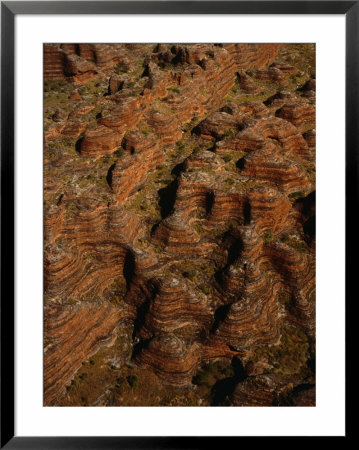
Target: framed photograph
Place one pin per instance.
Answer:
(174, 187)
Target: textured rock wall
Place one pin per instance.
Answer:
(179, 183)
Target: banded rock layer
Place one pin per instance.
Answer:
(179, 202)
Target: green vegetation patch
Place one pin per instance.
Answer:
(287, 358)
(284, 297)
(210, 373)
(296, 243)
(296, 195)
(267, 236)
(93, 88)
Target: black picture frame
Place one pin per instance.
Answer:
(8, 12)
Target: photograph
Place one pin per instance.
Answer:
(179, 224)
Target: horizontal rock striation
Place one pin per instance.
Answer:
(131, 171)
(175, 308)
(298, 115)
(82, 62)
(99, 141)
(179, 190)
(262, 390)
(270, 166)
(258, 305)
(171, 359)
(96, 324)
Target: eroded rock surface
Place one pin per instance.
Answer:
(179, 224)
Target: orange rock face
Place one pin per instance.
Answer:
(64, 356)
(179, 203)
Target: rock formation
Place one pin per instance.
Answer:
(179, 205)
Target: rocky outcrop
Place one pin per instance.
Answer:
(175, 308)
(54, 62)
(179, 200)
(72, 335)
(171, 359)
(82, 62)
(255, 318)
(100, 141)
(270, 166)
(131, 171)
(298, 115)
(262, 390)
